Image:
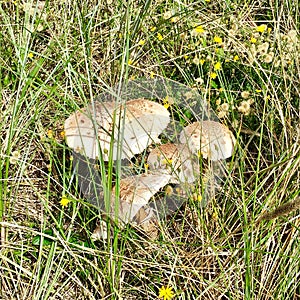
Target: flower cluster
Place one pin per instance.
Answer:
(244, 106)
(290, 48)
(213, 48)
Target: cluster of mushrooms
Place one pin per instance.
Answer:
(113, 131)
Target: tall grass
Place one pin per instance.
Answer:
(57, 56)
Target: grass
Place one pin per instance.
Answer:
(58, 56)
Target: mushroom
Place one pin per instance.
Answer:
(175, 160)
(100, 232)
(145, 120)
(81, 128)
(213, 139)
(134, 193)
(129, 127)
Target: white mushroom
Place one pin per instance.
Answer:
(134, 193)
(129, 127)
(175, 160)
(82, 129)
(213, 139)
(145, 121)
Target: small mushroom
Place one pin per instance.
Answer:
(130, 127)
(213, 139)
(100, 232)
(134, 193)
(175, 160)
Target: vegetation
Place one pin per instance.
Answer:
(242, 56)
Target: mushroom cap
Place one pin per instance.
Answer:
(213, 139)
(100, 232)
(134, 125)
(145, 120)
(175, 160)
(134, 193)
(81, 128)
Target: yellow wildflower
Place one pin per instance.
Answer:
(168, 100)
(166, 293)
(152, 28)
(215, 216)
(167, 161)
(174, 19)
(236, 58)
(141, 42)
(253, 40)
(130, 62)
(198, 30)
(213, 75)
(258, 91)
(262, 28)
(218, 40)
(202, 61)
(64, 201)
(159, 36)
(50, 133)
(30, 55)
(217, 66)
(152, 75)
